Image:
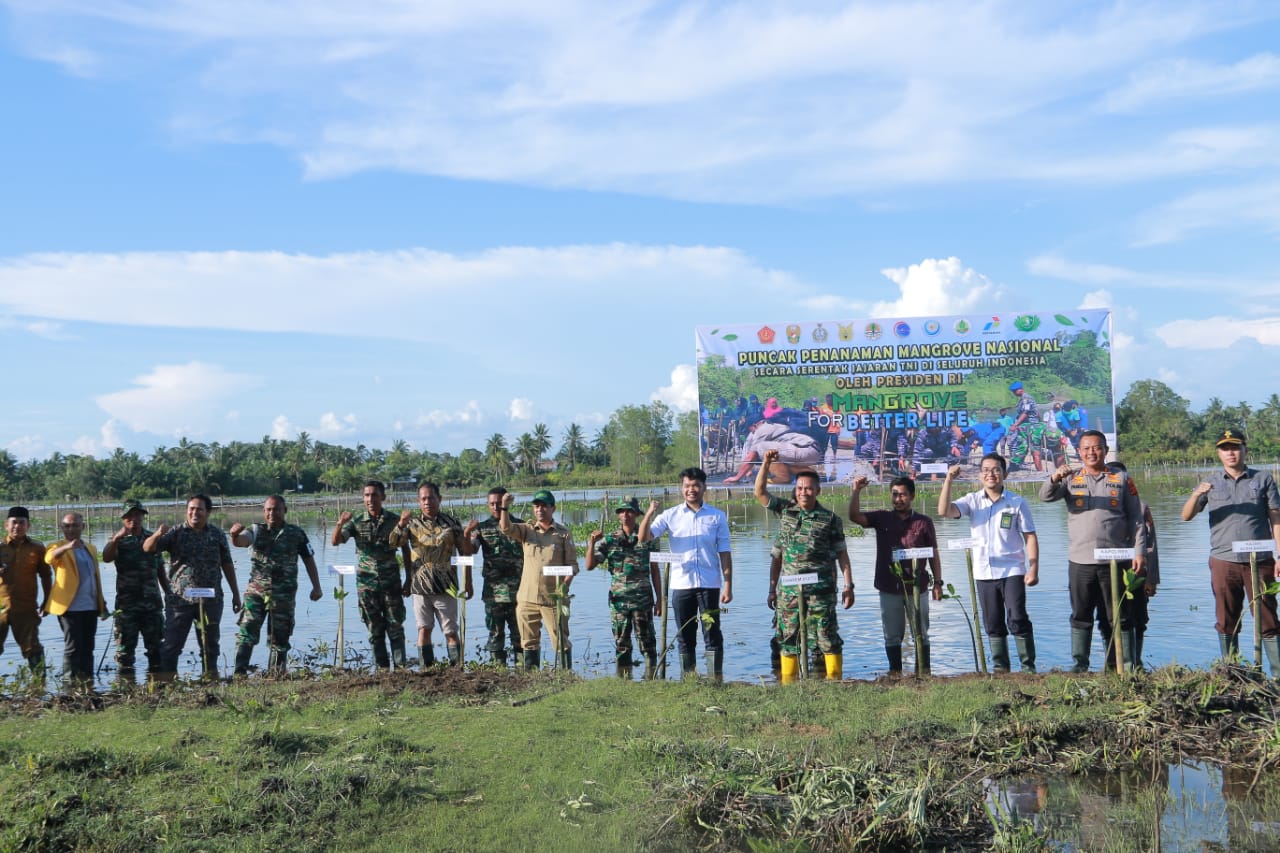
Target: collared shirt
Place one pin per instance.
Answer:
(196, 557)
(375, 555)
(1103, 511)
(1239, 510)
(808, 540)
(503, 561)
(137, 581)
(20, 566)
(274, 554)
(543, 546)
(894, 532)
(432, 543)
(998, 526)
(630, 573)
(698, 537)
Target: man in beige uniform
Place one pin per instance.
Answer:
(545, 543)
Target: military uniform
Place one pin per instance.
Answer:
(273, 585)
(196, 558)
(630, 592)
(503, 562)
(21, 565)
(139, 605)
(808, 541)
(378, 582)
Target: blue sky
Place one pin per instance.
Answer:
(437, 221)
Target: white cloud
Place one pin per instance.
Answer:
(1253, 205)
(469, 414)
(1056, 266)
(1219, 332)
(1178, 79)
(282, 429)
(26, 447)
(682, 394)
(1097, 299)
(521, 409)
(332, 426)
(111, 438)
(936, 287)
(175, 399)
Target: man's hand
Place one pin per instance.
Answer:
(316, 593)
(1062, 473)
(771, 456)
(235, 602)
(953, 472)
(404, 519)
(594, 536)
(345, 517)
(119, 534)
(1202, 489)
(1032, 577)
(653, 507)
(470, 529)
(508, 501)
(235, 529)
(846, 597)
(859, 483)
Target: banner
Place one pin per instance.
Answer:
(903, 396)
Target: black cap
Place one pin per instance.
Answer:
(1231, 435)
(19, 512)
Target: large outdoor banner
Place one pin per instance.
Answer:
(892, 396)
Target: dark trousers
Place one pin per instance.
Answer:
(1230, 583)
(78, 630)
(179, 615)
(1090, 587)
(687, 605)
(1004, 606)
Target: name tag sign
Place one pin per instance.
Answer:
(1103, 555)
(462, 561)
(799, 580)
(342, 570)
(557, 571)
(665, 557)
(912, 553)
(962, 544)
(934, 468)
(1253, 546)
(201, 592)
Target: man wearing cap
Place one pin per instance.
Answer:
(76, 598)
(139, 604)
(1243, 505)
(271, 595)
(501, 570)
(197, 552)
(378, 586)
(635, 587)
(545, 543)
(700, 536)
(810, 540)
(1103, 511)
(21, 564)
(433, 538)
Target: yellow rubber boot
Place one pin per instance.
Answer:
(790, 668)
(835, 667)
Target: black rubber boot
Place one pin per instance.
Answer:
(564, 659)
(651, 666)
(1138, 637)
(398, 656)
(427, 655)
(500, 657)
(244, 651)
(1081, 639)
(1129, 650)
(532, 659)
(894, 654)
(380, 658)
(688, 665)
(922, 657)
(1026, 652)
(623, 670)
(1229, 645)
(999, 653)
(277, 661)
(455, 654)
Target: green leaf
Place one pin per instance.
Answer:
(730, 337)
(1065, 321)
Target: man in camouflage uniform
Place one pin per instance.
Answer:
(139, 605)
(634, 587)
(433, 538)
(21, 565)
(377, 574)
(503, 562)
(197, 550)
(273, 583)
(810, 540)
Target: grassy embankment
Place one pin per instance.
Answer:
(486, 761)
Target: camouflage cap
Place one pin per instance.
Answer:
(131, 505)
(1231, 435)
(630, 502)
(544, 496)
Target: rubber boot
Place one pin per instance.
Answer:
(1026, 652)
(532, 659)
(688, 665)
(1271, 645)
(277, 661)
(817, 663)
(1138, 637)
(564, 659)
(775, 653)
(1081, 638)
(500, 657)
(35, 663)
(380, 659)
(789, 668)
(894, 653)
(651, 666)
(397, 654)
(455, 654)
(623, 670)
(715, 665)
(1128, 650)
(244, 651)
(1229, 645)
(922, 657)
(427, 655)
(999, 654)
(835, 667)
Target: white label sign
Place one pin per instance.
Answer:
(799, 580)
(341, 570)
(961, 544)
(665, 557)
(912, 553)
(1103, 555)
(557, 571)
(1253, 546)
(462, 561)
(934, 468)
(201, 592)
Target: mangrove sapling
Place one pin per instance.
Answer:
(979, 657)
(115, 614)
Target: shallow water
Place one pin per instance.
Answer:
(1182, 613)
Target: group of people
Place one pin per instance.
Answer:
(529, 566)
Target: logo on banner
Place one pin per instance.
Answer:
(819, 334)
(873, 331)
(932, 328)
(766, 335)
(993, 327)
(793, 334)
(902, 329)
(962, 327)
(846, 332)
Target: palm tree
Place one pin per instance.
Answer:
(497, 456)
(541, 439)
(527, 450)
(574, 444)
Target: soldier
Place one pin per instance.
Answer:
(76, 598)
(1243, 504)
(635, 587)
(900, 527)
(1103, 511)
(21, 564)
(139, 605)
(197, 550)
(810, 540)
(545, 543)
(433, 538)
(377, 574)
(273, 583)
(503, 562)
